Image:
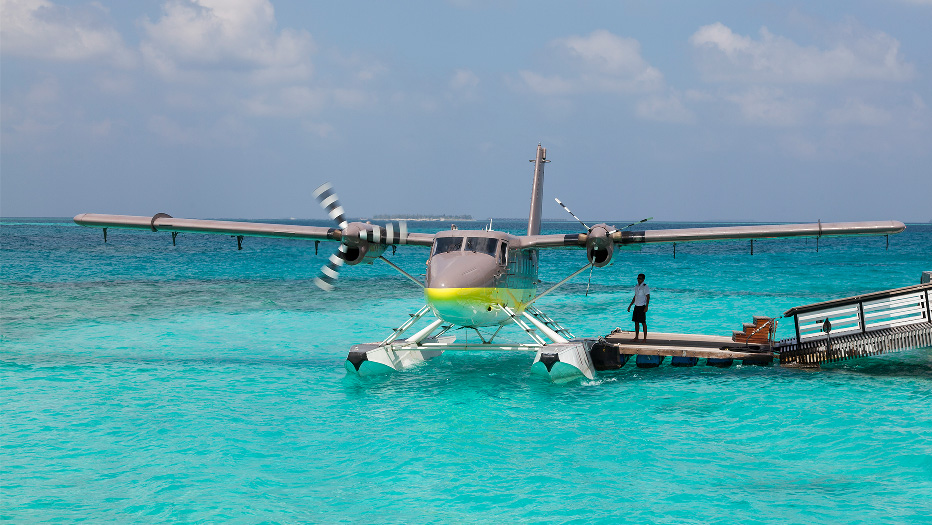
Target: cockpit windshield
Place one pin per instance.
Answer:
(484, 245)
(447, 244)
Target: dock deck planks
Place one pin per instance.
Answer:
(683, 345)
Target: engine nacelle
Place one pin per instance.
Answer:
(358, 249)
(363, 253)
(599, 245)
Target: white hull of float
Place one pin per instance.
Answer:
(559, 362)
(562, 362)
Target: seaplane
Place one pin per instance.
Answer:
(477, 281)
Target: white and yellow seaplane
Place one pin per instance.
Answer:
(475, 278)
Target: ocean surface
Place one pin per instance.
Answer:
(145, 382)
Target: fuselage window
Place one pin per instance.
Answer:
(484, 245)
(447, 244)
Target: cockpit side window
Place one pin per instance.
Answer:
(484, 245)
(502, 250)
(447, 244)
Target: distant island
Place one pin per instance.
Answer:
(420, 217)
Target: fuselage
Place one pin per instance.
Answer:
(472, 273)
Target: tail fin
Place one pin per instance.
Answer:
(537, 191)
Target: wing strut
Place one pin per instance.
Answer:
(406, 274)
(559, 284)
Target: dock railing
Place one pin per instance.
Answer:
(770, 325)
(862, 313)
(868, 324)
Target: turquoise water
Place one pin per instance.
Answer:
(143, 382)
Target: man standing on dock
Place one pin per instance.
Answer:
(640, 301)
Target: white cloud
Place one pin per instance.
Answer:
(116, 84)
(295, 101)
(800, 147)
(350, 97)
(228, 35)
(319, 129)
(856, 111)
(857, 55)
(363, 69)
(288, 101)
(918, 103)
(463, 86)
(664, 109)
(227, 130)
(772, 106)
(598, 62)
(100, 129)
(44, 114)
(231, 53)
(43, 93)
(37, 111)
(41, 29)
(464, 80)
(552, 85)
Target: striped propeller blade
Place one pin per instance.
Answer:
(632, 224)
(391, 233)
(330, 272)
(328, 200)
(571, 213)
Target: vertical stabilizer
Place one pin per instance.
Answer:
(537, 191)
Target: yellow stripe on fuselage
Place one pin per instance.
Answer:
(476, 306)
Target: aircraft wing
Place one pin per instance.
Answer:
(719, 233)
(167, 223)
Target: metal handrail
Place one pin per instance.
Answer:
(759, 328)
(858, 299)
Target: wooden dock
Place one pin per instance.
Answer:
(849, 328)
(685, 345)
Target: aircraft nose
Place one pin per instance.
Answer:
(461, 270)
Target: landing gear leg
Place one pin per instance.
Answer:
(392, 354)
(561, 360)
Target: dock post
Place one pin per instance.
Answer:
(861, 317)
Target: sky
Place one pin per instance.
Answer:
(683, 111)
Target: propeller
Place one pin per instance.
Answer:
(330, 272)
(571, 213)
(328, 200)
(359, 242)
(586, 226)
(599, 243)
(633, 223)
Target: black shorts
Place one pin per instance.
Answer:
(640, 314)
